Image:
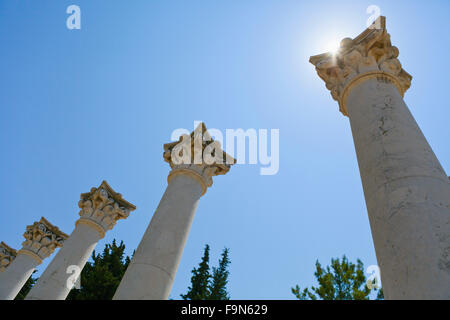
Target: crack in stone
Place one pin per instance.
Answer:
(400, 178)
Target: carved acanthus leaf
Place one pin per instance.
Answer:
(104, 206)
(199, 153)
(42, 238)
(7, 255)
(371, 51)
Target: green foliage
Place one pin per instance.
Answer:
(380, 295)
(101, 277)
(218, 285)
(26, 287)
(206, 285)
(200, 280)
(344, 280)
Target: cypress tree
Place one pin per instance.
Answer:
(200, 280)
(218, 284)
(209, 285)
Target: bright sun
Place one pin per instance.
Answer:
(332, 47)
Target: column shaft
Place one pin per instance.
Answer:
(101, 208)
(152, 270)
(41, 240)
(406, 190)
(53, 283)
(14, 277)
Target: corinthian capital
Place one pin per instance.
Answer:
(370, 54)
(41, 239)
(199, 156)
(102, 207)
(7, 255)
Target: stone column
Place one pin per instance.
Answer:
(41, 239)
(101, 208)
(152, 270)
(7, 255)
(406, 189)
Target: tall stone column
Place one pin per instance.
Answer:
(7, 255)
(406, 189)
(41, 239)
(194, 161)
(101, 208)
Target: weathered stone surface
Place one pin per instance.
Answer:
(370, 54)
(406, 189)
(407, 194)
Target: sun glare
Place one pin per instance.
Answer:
(332, 47)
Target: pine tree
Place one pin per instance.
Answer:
(344, 280)
(200, 280)
(101, 277)
(218, 285)
(207, 285)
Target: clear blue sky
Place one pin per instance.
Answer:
(80, 106)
